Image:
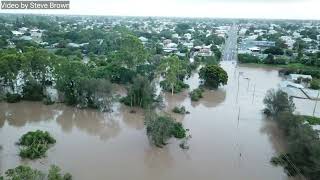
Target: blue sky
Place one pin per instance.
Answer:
(279, 9)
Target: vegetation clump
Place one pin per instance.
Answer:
(303, 150)
(180, 110)
(32, 91)
(276, 102)
(176, 88)
(312, 120)
(13, 98)
(315, 84)
(247, 58)
(27, 173)
(35, 144)
(196, 94)
(141, 93)
(161, 128)
(213, 76)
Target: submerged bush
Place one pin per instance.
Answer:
(196, 94)
(23, 173)
(35, 144)
(47, 101)
(180, 110)
(55, 174)
(178, 87)
(178, 131)
(32, 91)
(315, 84)
(162, 128)
(13, 98)
(27, 173)
(277, 101)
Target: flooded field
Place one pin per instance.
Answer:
(230, 138)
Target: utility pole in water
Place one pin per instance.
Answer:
(315, 105)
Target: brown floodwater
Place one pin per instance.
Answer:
(96, 146)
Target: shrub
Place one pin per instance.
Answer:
(312, 120)
(13, 98)
(315, 84)
(178, 131)
(48, 101)
(161, 128)
(35, 144)
(55, 174)
(27, 173)
(32, 91)
(180, 110)
(178, 87)
(196, 94)
(247, 58)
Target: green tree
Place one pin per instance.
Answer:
(141, 93)
(213, 76)
(162, 128)
(278, 101)
(174, 71)
(69, 76)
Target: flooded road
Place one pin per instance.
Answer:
(99, 146)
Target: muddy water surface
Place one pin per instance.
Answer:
(93, 145)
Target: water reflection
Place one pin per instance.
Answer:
(132, 117)
(156, 158)
(20, 114)
(91, 121)
(211, 98)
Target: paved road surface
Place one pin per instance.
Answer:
(230, 49)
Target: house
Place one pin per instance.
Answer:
(17, 33)
(291, 85)
(264, 43)
(188, 44)
(296, 77)
(288, 41)
(23, 29)
(175, 35)
(171, 47)
(143, 40)
(254, 49)
(26, 38)
(187, 36)
(167, 41)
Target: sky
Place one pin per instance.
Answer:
(268, 9)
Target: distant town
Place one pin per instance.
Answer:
(107, 97)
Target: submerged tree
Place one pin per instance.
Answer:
(174, 71)
(278, 101)
(213, 76)
(161, 128)
(141, 93)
